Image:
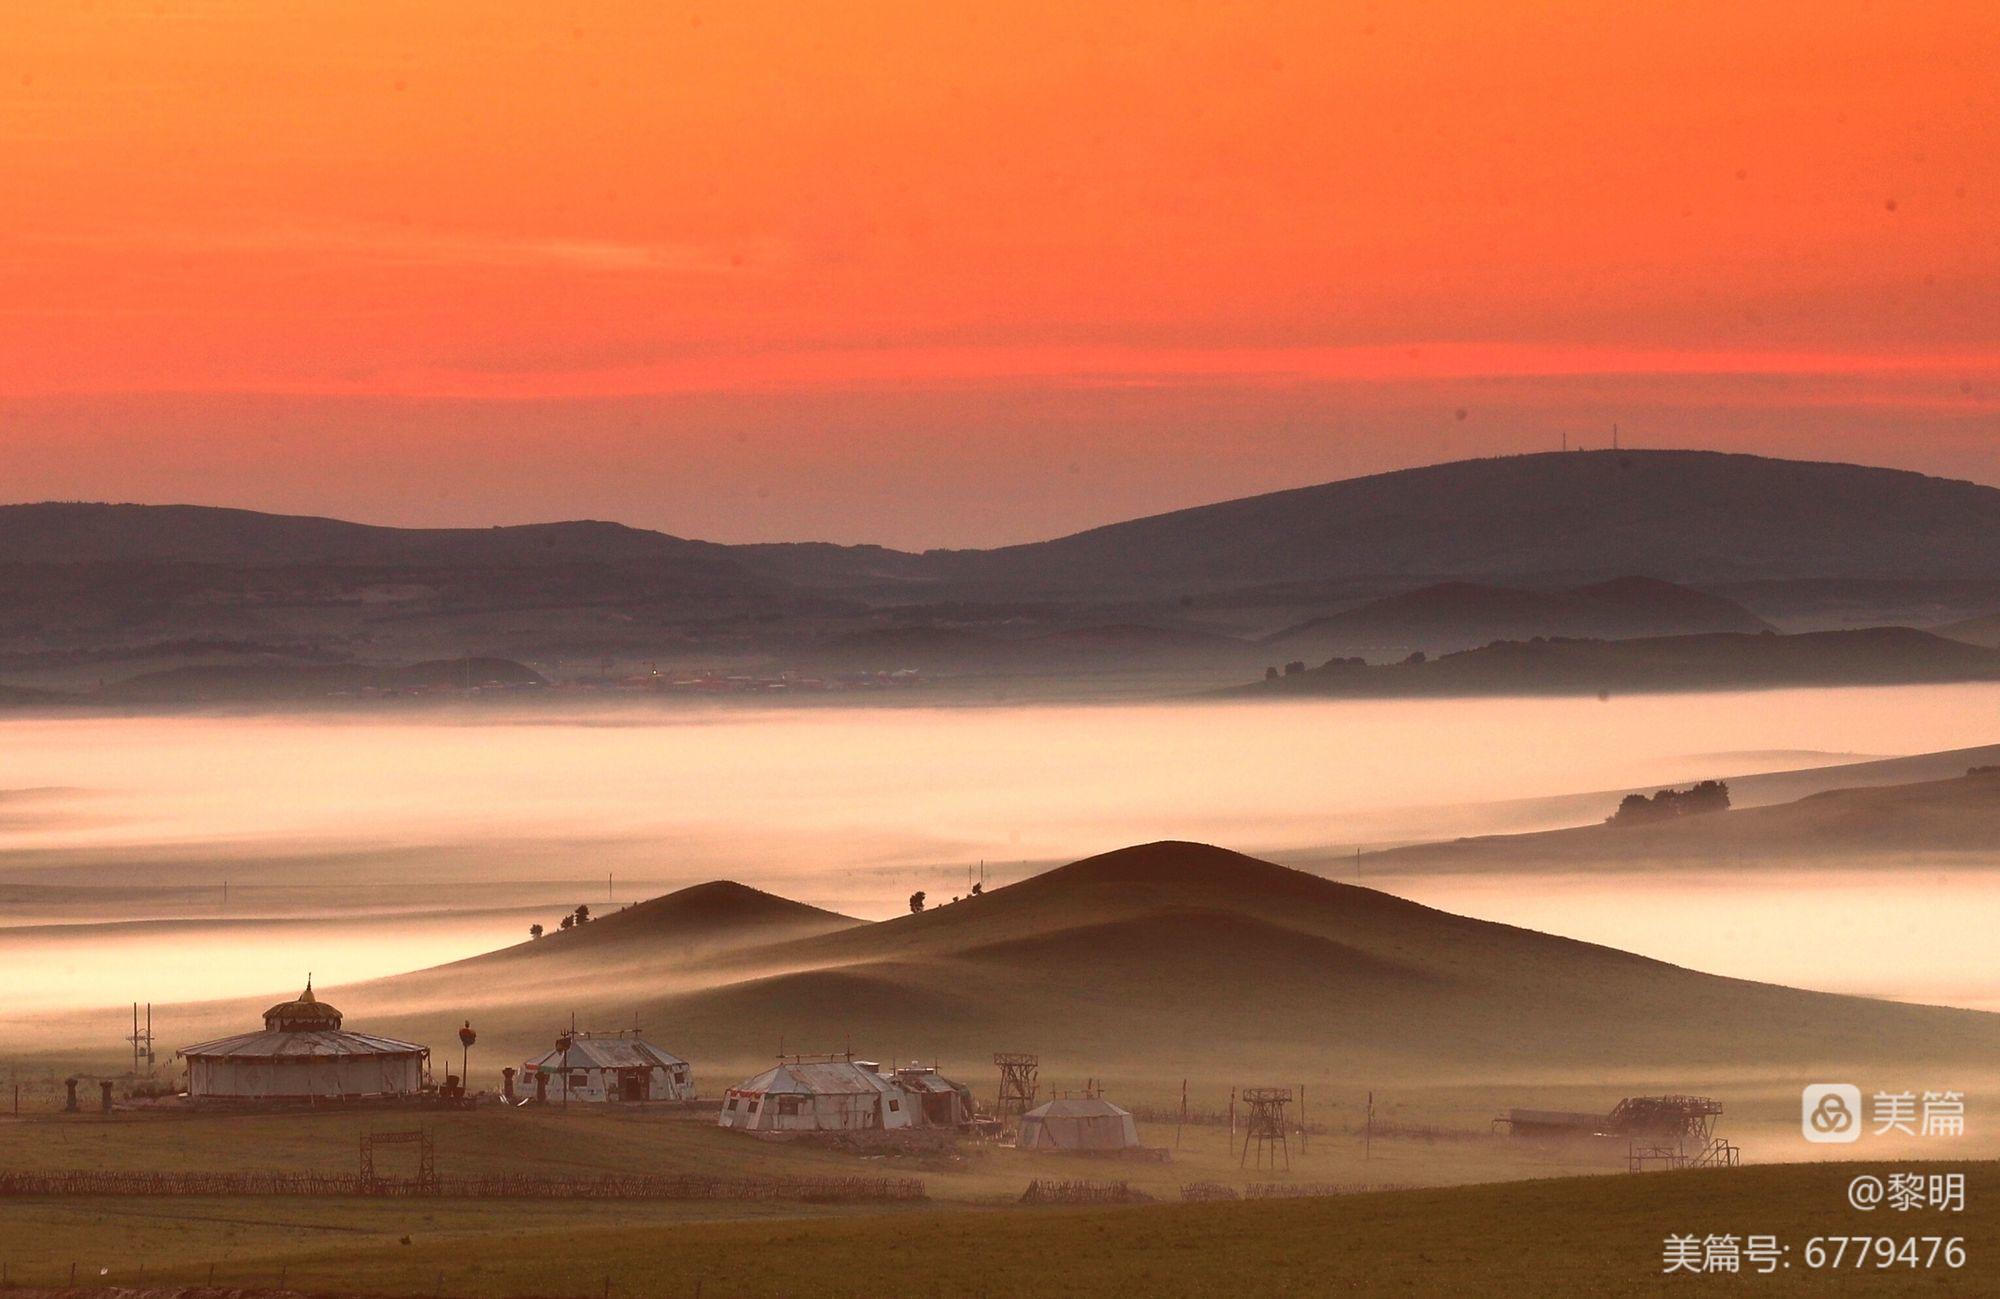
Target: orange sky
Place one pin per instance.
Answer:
(952, 274)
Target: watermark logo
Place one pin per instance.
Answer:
(1830, 1113)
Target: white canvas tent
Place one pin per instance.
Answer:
(1085, 1123)
(829, 1096)
(304, 1054)
(604, 1069)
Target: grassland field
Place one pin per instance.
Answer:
(1552, 1236)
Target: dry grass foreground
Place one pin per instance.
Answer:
(1569, 1236)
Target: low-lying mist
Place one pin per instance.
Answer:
(394, 840)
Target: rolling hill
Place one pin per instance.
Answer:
(664, 941)
(1184, 957)
(1448, 616)
(1984, 630)
(1716, 661)
(719, 916)
(1897, 824)
(1687, 516)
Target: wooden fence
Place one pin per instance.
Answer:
(1079, 1191)
(492, 1186)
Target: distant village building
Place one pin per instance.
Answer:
(939, 1102)
(1080, 1123)
(613, 1068)
(304, 1054)
(839, 1095)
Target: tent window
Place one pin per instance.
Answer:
(731, 1105)
(579, 1080)
(788, 1104)
(895, 1106)
(753, 1107)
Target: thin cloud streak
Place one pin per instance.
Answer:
(911, 368)
(402, 246)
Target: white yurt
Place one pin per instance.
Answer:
(304, 1054)
(599, 1069)
(821, 1096)
(1080, 1123)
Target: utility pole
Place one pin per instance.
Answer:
(142, 1041)
(564, 1042)
(466, 1037)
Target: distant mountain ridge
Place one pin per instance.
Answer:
(91, 533)
(1680, 515)
(1170, 595)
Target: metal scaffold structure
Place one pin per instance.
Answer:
(1265, 1132)
(1020, 1082)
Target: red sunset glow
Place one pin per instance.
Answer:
(955, 275)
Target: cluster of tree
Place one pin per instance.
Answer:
(580, 916)
(917, 898)
(1637, 809)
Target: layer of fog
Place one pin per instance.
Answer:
(415, 839)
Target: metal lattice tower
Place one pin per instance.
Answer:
(1266, 1127)
(1020, 1081)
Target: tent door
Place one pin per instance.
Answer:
(632, 1086)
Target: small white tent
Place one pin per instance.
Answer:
(827, 1096)
(600, 1069)
(1084, 1123)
